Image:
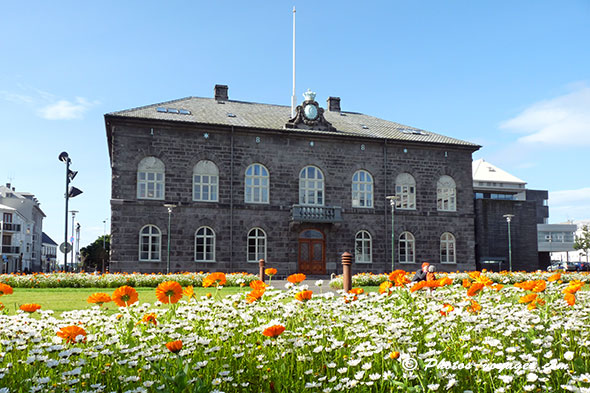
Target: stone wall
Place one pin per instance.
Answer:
(284, 153)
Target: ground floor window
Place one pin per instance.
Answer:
(407, 248)
(363, 250)
(205, 245)
(256, 245)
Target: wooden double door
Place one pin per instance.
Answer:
(312, 252)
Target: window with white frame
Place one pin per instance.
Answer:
(446, 194)
(150, 241)
(363, 247)
(311, 186)
(205, 245)
(407, 248)
(405, 189)
(447, 248)
(256, 184)
(362, 189)
(205, 182)
(256, 245)
(150, 178)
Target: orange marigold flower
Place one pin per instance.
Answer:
(273, 331)
(304, 296)
(30, 307)
(99, 298)
(447, 308)
(71, 333)
(498, 287)
(540, 286)
(528, 298)
(573, 287)
(174, 346)
(271, 271)
(150, 318)
(394, 355)
(570, 298)
(125, 296)
(218, 279)
(466, 283)
(254, 295)
(357, 291)
(5, 289)
(189, 292)
(169, 292)
(385, 287)
(475, 307)
(445, 281)
(475, 288)
(554, 277)
(419, 285)
(296, 278)
(257, 284)
(398, 278)
(526, 285)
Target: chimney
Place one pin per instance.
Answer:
(8, 185)
(221, 93)
(334, 104)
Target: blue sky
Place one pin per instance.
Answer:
(511, 76)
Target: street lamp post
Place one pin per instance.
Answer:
(104, 250)
(70, 193)
(73, 229)
(170, 206)
(508, 218)
(392, 201)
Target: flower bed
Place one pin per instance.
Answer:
(474, 336)
(114, 280)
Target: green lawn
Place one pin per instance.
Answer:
(67, 299)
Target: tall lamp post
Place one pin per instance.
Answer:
(70, 193)
(170, 206)
(508, 218)
(392, 201)
(72, 238)
(104, 236)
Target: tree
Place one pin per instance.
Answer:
(583, 241)
(94, 255)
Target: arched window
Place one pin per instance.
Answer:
(447, 248)
(150, 178)
(256, 184)
(150, 240)
(204, 245)
(256, 245)
(405, 189)
(205, 182)
(407, 248)
(311, 186)
(446, 194)
(363, 247)
(362, 189)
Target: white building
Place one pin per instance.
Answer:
(24, 252)
(570, 254)
(48, 254)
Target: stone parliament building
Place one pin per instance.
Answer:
(243, 181)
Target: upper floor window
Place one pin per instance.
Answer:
(205, 182)
(311, 186)
(407, 248)
(363, 250)
(205, 245)
(150, 239)
(150, 178)
(446, 194)
(362, 189)
(256, 245)
(256, 184)
(405, 189)
(447, 248)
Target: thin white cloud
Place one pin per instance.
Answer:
(563, 120)
(15, 97)
(570, 204)
(66, 110)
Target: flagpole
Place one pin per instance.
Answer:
(293, 96)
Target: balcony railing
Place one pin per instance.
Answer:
(10, 250)
(328, 214)
(10, 227)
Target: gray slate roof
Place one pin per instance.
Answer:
(274, 117)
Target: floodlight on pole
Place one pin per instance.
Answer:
(70, 193)
(170, 206)
(392, 201)
(508, 218)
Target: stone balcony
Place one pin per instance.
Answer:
(322, 214)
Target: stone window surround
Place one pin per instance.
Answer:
(259, 239)
(151, 237)
(366, 246)
(208, 169)
(151, 167)
(365, 195)
(263, 186)
(208, 239)
(448, 247)
(406, 239)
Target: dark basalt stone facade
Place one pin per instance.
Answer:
(181, 142)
